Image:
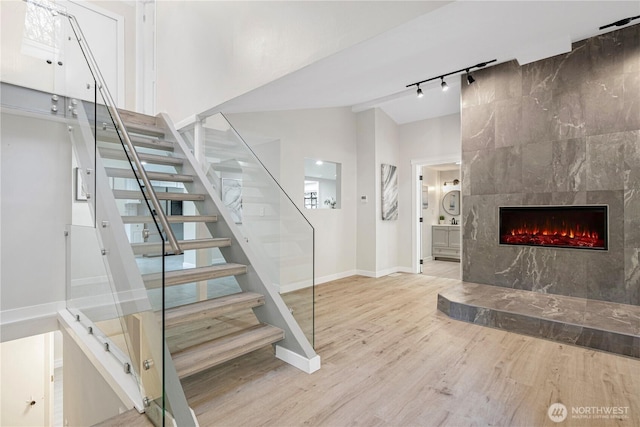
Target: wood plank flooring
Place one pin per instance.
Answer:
(389, 358)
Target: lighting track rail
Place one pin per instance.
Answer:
(443, 84)
(620, 23)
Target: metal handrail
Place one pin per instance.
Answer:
(119, 123)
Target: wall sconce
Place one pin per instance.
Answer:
(454, 182)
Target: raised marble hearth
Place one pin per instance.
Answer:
(600, 325)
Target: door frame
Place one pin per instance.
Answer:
(416, 193)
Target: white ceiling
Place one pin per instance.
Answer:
(375, 73)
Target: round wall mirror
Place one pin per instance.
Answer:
(451, 202)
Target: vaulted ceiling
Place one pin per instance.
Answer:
(374, 73)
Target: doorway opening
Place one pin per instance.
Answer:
(438, 217)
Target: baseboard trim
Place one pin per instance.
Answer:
(294, 359)
(306, 284)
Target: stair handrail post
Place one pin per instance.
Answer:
(119, 123)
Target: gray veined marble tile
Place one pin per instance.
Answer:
(632, 149)
(537, 165)
(568, 119)
(631, 93)
(478, 132)
(605, 162)
(570, 165)
(569, 198)
(508, 78)
(632, 276)
(537, 118)
(606, 53)
(508, 170)
(604, 108)
(537, 77)
(631, 41)
(482, 172)
(632, 218)
(508, 122)
(508, 266)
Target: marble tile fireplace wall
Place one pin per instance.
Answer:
(561, 131)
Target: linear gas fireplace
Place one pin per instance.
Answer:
(578, 227)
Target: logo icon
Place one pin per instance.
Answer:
(557, 412)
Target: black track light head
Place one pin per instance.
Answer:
(444, 85)
(470, 79)
(420, 94)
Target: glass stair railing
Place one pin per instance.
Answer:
(106, 294)
(154, 258)
(265, 216)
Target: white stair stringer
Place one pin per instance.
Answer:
(120, 261)
(294, 348)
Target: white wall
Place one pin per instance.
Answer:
(366, 211)
(387, 152)
(324, 134)
(427, 141)
(218, 50)
(88, 399)
(36, 178)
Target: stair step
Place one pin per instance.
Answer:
(191, 275)
(110, 153)
(155, 176)
(144, 129)
(111, 136)
(212, 353)
(141, 219)
(137, 195)
(185, 245)
(211, 308)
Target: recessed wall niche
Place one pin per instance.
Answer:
(322, 184)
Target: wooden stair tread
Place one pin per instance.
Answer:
(142, 219)
(144, 129)
(185, 245)
(156, 159)
(212, 353)
(211, 308)
(132, 194)
(190, 275)
(155, 176)
(111, 136)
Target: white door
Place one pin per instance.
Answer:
(40, 51)
(25, 382)
(104, 33)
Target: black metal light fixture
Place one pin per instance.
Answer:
(470, 78)
(420, 94)
(620, 23)
(444, 85)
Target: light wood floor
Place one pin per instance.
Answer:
(444, 269)
(390, 358)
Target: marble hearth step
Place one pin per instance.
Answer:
(600, 325)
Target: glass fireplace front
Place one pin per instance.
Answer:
(577, 227)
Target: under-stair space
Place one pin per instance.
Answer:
(208, 319)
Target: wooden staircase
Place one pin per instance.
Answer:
(206, 333)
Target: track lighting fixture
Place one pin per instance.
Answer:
(470, 78)
(420, 94)
(620, 23)
(444, 85)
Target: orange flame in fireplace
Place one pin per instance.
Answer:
(562, 230)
